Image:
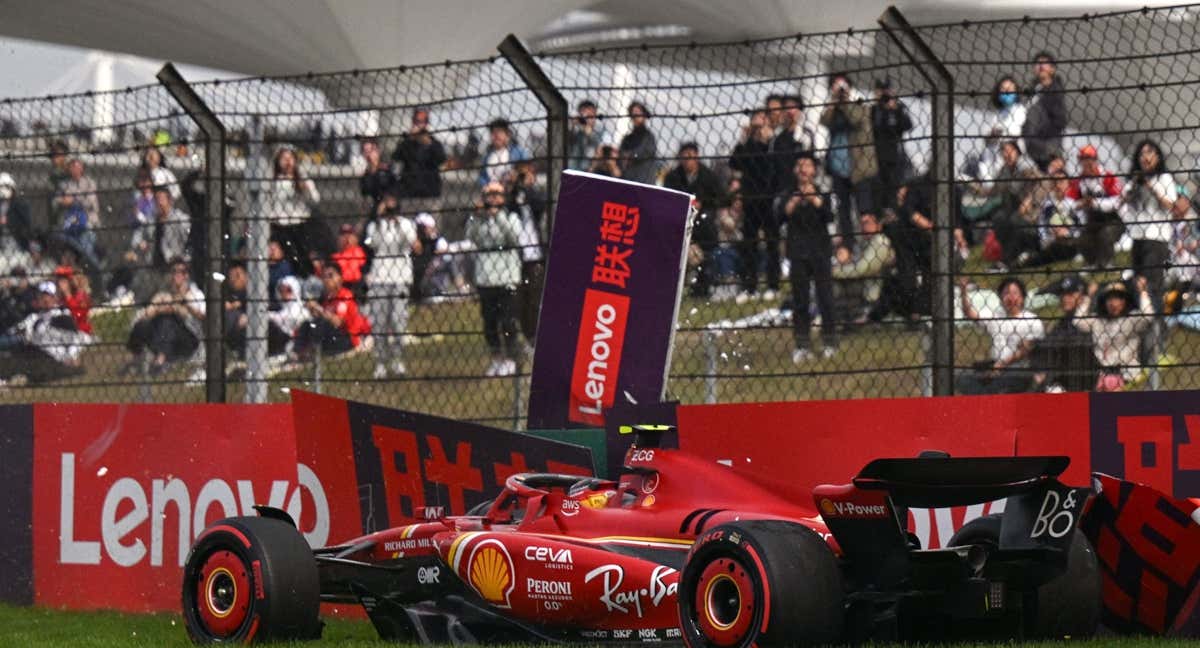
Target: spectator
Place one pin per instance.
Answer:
(1146, 210)
(1010, 113)
(278, 267)
(773, 104)
(1185, 241)
(729, 243)
(1014, 223)
(395, 239)
(142, 209)
(793, 136)
(502, 152)
(350, 258)
(1098, 194)
(1058, 226)
(169, 327)
(283, 323)
(236, 295)
(1065, 360)
(377, 179)
(335, 325)
(59, 162)
(586, 136)
(76, 200)
(45, 345)
(40, 267)
(606, 162)
(17, 295)
(807, 214)
(756, 168)
(16, 220)
(1046, 114)
(420, 155)
(1014, 333)
(436, 272)
(690, 176)
(889, 123)
(288, 204)
(151, 246)
(1117, 331)
(528, 202)
(860, 276)
(75, 295)
(851, 162)
(639, 150)
(160, 176)
(495, 234)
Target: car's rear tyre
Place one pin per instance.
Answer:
(1067, 606)
(761, 583)
(251, 579)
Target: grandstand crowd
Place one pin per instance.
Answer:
(835, 208)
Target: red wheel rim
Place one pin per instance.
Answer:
(725, 602)
(223, 593)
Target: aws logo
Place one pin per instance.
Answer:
(490, 572)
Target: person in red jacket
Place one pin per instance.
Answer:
(337, 325)
(75, 296)
(1098, 194)
(350, 258)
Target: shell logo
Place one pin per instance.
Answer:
(827, 507)
(490, 570)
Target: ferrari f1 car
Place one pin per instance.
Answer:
(677, 549)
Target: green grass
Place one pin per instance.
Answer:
(42, 628)
(446, 366)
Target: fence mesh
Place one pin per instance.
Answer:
(385, 227)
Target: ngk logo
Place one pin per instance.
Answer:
(131, 520)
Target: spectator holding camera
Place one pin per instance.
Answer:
(288, 204)
(395, 239)
(606, 162)
(752, 160)
(586, 136)
(1146, 210)
(502, 153)
(377, 179)
(420, 155)
(639, 150)
(496, 236)
(1046, 113)
(889, 123)
(807, 215)
(851, 162)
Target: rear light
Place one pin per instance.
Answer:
(995, 596)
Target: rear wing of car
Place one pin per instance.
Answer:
(869, 516)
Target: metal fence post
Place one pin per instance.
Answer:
(214, 181)
(514, 51)
(941, 172)
(258, 170)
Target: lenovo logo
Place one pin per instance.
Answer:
(131, 505)
(597, 356)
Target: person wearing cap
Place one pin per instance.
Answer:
(351, 258)
(16, 220)
(1014, 332)
(494, 233)
(1065, 359)
(501, 153)
(1117, 330)
(394, 238)
(1098, 194)
(638, 151)
(46, 345)
(1046, 114)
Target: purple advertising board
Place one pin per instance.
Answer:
(611, 298)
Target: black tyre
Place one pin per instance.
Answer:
(249, 580)
(1069, 605)
(763, 583)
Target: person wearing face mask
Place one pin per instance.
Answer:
(1008, 111)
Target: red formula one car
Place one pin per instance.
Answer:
(676, 549)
